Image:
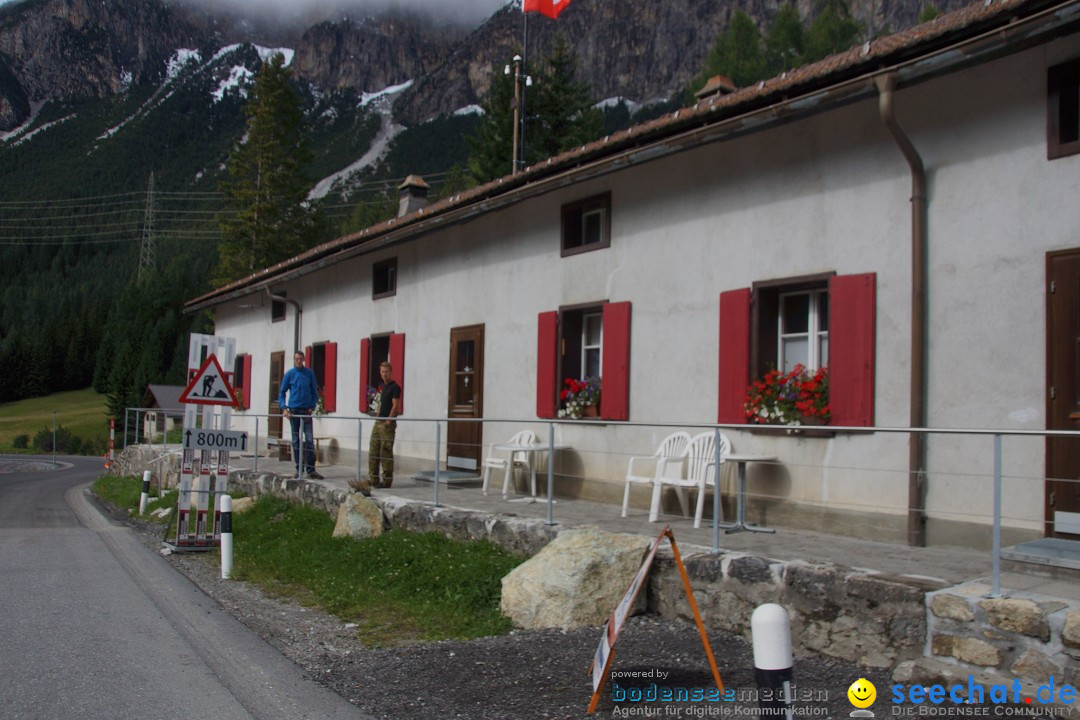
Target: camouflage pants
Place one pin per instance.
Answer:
(381, 452)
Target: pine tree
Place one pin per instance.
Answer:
(784, 41)
(491, 146)
(833, 30)
(267, 188)
(738, 54)
(561, 115)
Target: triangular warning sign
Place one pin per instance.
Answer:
(209, 386)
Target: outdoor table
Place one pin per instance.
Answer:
(528, 447)
(740, 496)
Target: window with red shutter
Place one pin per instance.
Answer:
(815, 321)
(583, 342)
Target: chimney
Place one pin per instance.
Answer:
(412, 195)
(718, 85)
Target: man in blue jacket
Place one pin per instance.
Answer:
(303, 391)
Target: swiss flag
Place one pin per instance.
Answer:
(551, 8)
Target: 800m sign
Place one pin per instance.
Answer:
(215, 440)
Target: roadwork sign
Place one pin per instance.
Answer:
(209, 386)
(225, 440)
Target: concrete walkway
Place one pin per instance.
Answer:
(948, 566)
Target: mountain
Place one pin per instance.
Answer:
(101, 100)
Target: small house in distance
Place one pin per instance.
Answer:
(166, 410)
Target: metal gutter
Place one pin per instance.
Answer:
(1002, 39)
(916, 523)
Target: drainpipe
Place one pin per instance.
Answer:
(916, 524)
(296, 325)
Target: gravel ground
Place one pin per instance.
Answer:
(520, 676)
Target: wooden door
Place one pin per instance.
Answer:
(1063, 394)
(277, 372)
(464, 440)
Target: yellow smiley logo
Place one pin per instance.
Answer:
(862, 693)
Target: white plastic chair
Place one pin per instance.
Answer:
(518, 459)
(669, 459)
(701, 468)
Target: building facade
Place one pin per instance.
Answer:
(906, 214)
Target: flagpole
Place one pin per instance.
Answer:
(524, 65)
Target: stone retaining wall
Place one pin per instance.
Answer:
(927, 632)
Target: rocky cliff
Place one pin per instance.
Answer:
(638, 49)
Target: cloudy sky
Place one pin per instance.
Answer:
(473, 10)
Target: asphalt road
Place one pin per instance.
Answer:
(94, 625)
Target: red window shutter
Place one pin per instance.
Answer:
(330, 377)
(734, 369)
(547, 346)
(365, 372)
(245, 392)
(852, 319)
(307, 356)
(615, 369)
(397, 362)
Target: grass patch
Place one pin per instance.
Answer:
(399, 587)
(82, 412)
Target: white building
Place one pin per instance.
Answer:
(907, 213)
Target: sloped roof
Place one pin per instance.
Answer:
(973, 34)
(166, 397)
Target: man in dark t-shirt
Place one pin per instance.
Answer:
(381, 449)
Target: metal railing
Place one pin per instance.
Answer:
(558, 426)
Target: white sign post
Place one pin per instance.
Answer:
(210, 387)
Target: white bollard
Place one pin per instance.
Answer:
(770, 627)
(226, 537)
(145, 492)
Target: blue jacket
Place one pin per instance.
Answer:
(299, 383)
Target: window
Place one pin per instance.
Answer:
(373, 351)
(586, 225)
(822, 320)
(803, 327)
(277, 308)
(322, 359)
(384, 278)
(242, 380)
(1063, 110)
(585, 341)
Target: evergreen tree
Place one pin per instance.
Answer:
(491, 146)
(456, 181)
(267, 187)
(561, 115)
(784, 42)
(738, 54)
(833, 30)
(928, 12)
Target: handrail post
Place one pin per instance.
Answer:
(359, 446)
(550, 473)
(716, 494)
(438, 458)
(255, 448)
(996, 559)
(127, 411)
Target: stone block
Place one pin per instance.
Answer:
(575, 581)
(967, 649)
(1070, 635)
(243, 504)
(1018, 615)
(951, 607)
(358, 518)
(1035, 666)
